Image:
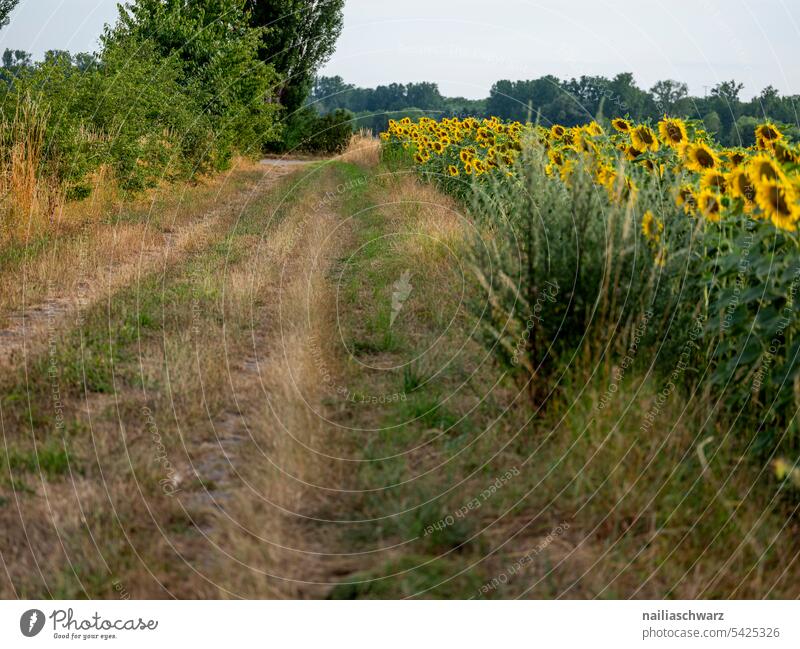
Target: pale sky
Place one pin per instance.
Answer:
(465, 45)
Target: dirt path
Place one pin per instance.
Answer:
(27, 329)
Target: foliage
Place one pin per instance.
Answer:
(217, 53)
(298, 37)
(309, 131)
(6, 7)
(593, 236)
(175, 92)
(572, 102)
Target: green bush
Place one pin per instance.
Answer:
(310, 132)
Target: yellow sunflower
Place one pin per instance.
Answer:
(621, 125)
(453, 170)
(700, 157)
(652, 227)
(709, 205)
(768, 133)
(644, 139)
(686, 198)
(779, 202)
(735, 157)
(557, 131)
(673, 132)
(764, 167)
(631, 152)
(714, 181)
(741, 186)
(594, 129)
(785, 154)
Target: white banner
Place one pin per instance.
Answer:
(401, 625)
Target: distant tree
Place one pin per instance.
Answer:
(727, 91)
(85, 61)
(667, 94)
(424, 95)
(6, 7)
(299, 37)
(744, 131)
(16, 59)
(712, 122)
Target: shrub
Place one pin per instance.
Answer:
(313, 133)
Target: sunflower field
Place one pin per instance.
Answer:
(599, 235)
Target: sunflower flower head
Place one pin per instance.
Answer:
(779, 201)
(644, 139)
(709, 204)
(700, 157)
(673, 132)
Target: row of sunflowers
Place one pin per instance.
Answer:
(762, 181)
(721, 225)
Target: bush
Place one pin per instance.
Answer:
(176, 91)
(313, 133)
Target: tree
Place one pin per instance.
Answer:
(299, 37)
(667, 94)
(216, 49)
(712, 122)
(6, 7)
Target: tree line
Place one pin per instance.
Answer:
(176, 89)
(569, 102)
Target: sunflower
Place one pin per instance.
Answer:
(594, 129)
(567, 170)
(453, 170)
(785, 154)
(686, 199)
(709, 205)
(652, 227)
(631, 152)
(700, 157)
(713, 180)
(468, 168)
(557, 131)
(779, 202)
(735, 157)
(768, 133)
(763, 167)
(465, 156)
(556, 156)
(741, 186)
(622, 125)
(673, 132)
(605, 175)
(644, 139)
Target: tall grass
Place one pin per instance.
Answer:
(28, 199)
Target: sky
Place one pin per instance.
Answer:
(466, 45)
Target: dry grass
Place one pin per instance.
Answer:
(364, 149)
(284, 467)
(114, 445)
(30, 201)
(108, 245)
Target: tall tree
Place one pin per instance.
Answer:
(300, 37)
(6, 7)
(667, 94)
